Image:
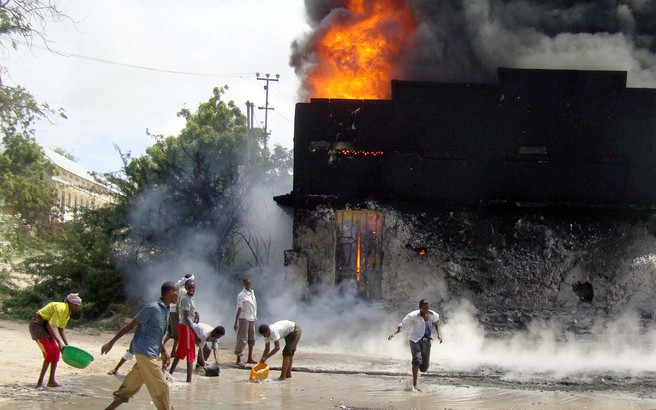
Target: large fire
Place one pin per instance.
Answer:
(355, 55)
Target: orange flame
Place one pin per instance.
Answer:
(357, 261)
(356, 54)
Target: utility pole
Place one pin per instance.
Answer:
(249, 136)
(266, 107)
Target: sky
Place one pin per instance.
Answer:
(185, 48)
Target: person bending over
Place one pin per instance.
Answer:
(283, 329)
(42, 329)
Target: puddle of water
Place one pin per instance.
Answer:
(323, 391)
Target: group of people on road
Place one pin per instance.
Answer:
(175, 317)
(154, 327)
(188, 325)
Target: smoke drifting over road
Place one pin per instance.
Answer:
(450, 41)
(466, 41)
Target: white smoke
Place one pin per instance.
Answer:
(339, 321)
(617, 347)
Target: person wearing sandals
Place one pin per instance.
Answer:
(245, 323)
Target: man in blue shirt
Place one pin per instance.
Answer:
(151, 323)
(420, 322)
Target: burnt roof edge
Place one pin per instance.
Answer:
(293, 200)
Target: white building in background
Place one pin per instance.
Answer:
(75, 187)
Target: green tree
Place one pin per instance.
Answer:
(279, 165)
(183, 199)
(12, 233)
(27, 18)
(22, 21)
(61, 151)
(23, 166)
(82, 260)
(23, 186)
(186, 187)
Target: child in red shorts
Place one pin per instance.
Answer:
(186, 333)
(54, 314)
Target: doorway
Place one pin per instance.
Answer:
(359, 253)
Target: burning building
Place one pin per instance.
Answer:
(522, 193)
(521, 190)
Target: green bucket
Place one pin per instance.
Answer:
(76, 357)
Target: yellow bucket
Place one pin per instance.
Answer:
(259, 372)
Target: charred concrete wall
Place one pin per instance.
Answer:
(407, 273)
(514, 264)
(314, 238)
(529, 197)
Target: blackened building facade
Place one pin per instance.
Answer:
(535, 136)
(514, 194)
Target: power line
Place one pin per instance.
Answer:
(105, 61)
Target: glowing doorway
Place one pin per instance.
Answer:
(359, 253)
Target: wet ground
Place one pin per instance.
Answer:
(342, 390)
(325, 377)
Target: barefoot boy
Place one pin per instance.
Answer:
(151, 322)
(288, 330)
(129, 355)
(419, 322)
(42, 330)
(186, 332)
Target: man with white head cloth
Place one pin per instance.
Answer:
(174, 316)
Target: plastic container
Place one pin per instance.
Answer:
(76, 357)
(259, 372)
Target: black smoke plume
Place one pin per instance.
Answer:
(466, 41)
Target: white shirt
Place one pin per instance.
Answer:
(417, 323)
(204, 331)
(279, 330)
(248, 304)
